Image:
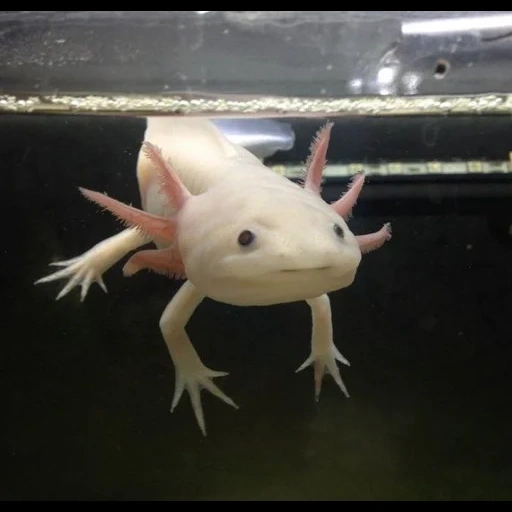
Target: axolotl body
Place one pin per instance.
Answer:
(237, 232)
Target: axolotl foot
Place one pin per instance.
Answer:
(324, 353)
(326, 361)
(89, 267)
(80, 271)
(193, 380)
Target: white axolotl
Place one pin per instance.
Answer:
(238, 232)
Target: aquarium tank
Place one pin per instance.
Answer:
(280, 244)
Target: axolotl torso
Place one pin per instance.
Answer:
(237, 232)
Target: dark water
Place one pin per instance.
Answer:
(86, 388)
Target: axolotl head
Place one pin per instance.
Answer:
(255, 238)
(265, 240)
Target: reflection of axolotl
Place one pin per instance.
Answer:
(237, 231)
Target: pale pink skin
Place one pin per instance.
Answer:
(178, 195)
(327, 265)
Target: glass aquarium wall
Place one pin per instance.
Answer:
(272, 63)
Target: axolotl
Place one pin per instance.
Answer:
(235, 231)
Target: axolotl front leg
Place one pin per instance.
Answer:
(191, 373)
(324, 353)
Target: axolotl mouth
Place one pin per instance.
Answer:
(287, 270)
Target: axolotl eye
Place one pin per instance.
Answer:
(246, 238)
(338, 230)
